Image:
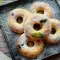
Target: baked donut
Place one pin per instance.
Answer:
(54, 36)
(37, 26)
(42, 8)
(29, 48)
(16, 18)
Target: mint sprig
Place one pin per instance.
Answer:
(38, 34)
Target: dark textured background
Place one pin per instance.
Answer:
(11, 37)
(3, 2)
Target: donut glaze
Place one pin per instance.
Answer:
(54, 36)
(25, 50)
(41, 8)
(16, 18)
(36, 26)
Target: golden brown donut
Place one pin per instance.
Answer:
(36, 26)
(54, 36)
(41, 8)
(29, 48)
(16, 18)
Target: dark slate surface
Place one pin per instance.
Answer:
(11, 37)
(58, 1)
(3, 2)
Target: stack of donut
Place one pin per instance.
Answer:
(36, 27)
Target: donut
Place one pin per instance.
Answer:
(28, 47)
(37, 26)
(41, 8)
(16, 18)
(54, 36)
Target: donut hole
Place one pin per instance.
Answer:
(53, 31)
(37, 26)
(12, 14)
(41, 11)
(22, 44)
(19, 19)
(30, 43)
(19, 47)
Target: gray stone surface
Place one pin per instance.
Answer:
(3, 45)
(11, 37)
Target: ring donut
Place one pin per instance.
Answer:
(36, 26)
(54, 35)
(29, 48)
(16, 18)
(42, 8)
